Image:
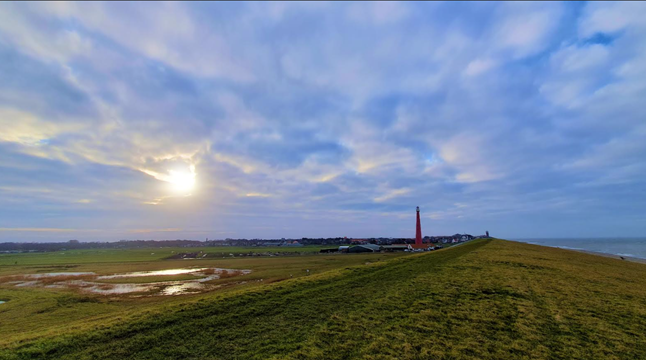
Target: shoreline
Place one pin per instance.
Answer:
(591, 252)
(618, 257)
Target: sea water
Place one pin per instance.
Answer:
(633, 247)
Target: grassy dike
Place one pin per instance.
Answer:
(487, 299)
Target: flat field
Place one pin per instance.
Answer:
(487, 299)
(34, 312)
(94, 256)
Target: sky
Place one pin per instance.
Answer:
(270, 120)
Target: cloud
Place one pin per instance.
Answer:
(27, 129)
(315, 119)
(168, 33)
(379, 12)
(392, 194)
(525, 28)
(26, 29)
(37, 229)
(143, 231)
(478, 66)
(580, 58)
(468, 154)
(257, 195)
(612, 17)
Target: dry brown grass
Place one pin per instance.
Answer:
(225, 274)
(209, 271)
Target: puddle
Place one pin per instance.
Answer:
(114, 289)
(155, 273)
(186, 288)
(88, 281)
(54, 274)
(2, 302)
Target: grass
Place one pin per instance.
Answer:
(94, 256)
(34, 313)
(488, 299)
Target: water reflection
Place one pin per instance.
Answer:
(55, 274)
(90, 282)
(168, 272)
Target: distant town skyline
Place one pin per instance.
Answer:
(271, 120)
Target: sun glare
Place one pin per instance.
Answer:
(182, 181)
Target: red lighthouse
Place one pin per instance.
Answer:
(418, 231)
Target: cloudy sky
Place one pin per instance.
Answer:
(176, 120)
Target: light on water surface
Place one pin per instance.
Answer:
(89, 282)
(168, 272)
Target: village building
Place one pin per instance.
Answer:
(364, 248)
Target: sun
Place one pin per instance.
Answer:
(182, 181)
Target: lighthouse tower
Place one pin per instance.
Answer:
(418, 230)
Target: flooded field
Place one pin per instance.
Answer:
(168, 272)
(56, 274)
(90, 282)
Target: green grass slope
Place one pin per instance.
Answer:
(488, 299)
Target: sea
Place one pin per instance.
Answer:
(633, 247)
